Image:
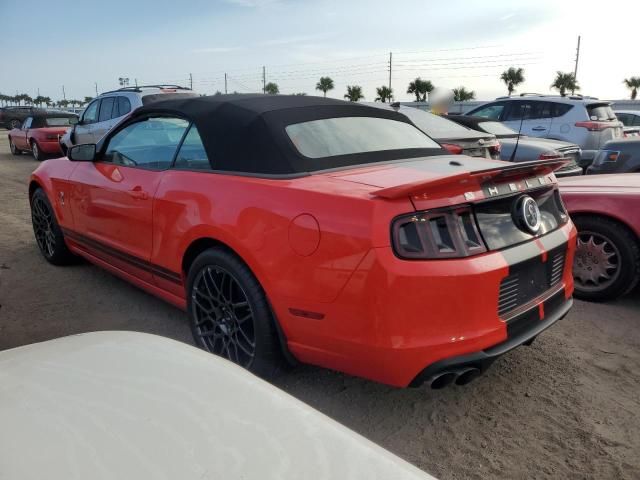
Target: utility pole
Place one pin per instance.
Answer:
(264, 80)
(96, 84)
(135, 80)
(225, 83)
(390, 66)
(575, 70)
(64, 95)
(191, 81)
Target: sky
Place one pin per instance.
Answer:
(86, 46)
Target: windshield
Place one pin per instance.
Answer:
(352, 135)
(58, 121)
(433, 125)
(497, 128)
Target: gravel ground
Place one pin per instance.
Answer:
(567, 407)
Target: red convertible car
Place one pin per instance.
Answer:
(40, 134)
(606, 211)
(318, 231)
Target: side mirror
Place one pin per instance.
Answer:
(73, 120)
(82, 153)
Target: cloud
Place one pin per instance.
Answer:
(299, 39)
(215, 49)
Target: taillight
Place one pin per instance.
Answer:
(52, 137)
(549, 155)
(495, 149)
(593, 126)
(437, 234)
(605, 156)
(455, 149)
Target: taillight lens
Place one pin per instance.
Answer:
(437, 234)
(549, 155)
(455, 149)
(593, 126)
(606, 156)
(495, 149)
(52, 137)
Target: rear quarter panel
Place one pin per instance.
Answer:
(53, 177)
(621, 205)
(254, 217)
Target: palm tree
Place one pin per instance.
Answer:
(564, 82)
(300, 94)
(384, 93)
(87, 99)
(62, 103)
(512, 78)
(39, 100)
(271, 88)
(324, 85)
(354, 93)
(461, 94)
(4, 99)
(633, 84)
(420, 88)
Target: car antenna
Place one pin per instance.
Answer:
(515, 149)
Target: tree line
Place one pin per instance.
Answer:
(512, 78)
(39, 101)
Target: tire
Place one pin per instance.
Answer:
(14, 150)
(604, 240)
(241, 319)
(47, 232)
(14, 123)
(37, 153)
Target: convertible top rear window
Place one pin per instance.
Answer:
(350, 135)
(279, 136)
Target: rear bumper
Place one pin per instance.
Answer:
(525, 328)
(396, 318)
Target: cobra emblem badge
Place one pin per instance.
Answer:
(527, 215)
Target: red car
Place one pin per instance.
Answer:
(606, 211)
(316, 230)
(40, 134)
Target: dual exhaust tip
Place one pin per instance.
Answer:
(460, 376)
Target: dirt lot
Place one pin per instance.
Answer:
(566, 407)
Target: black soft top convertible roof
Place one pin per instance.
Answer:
(246, 133)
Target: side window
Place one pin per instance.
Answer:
(122, 107)
(493, 111)
(91, 113)
(106, 107)
(192, 155)
(524, 110)
(26, 125)
(149, 143)
(559, 109)
(636, 121)
(625, 118)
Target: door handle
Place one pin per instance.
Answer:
(137, 193)
(538, 129)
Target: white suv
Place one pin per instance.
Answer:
(585, 121)
(109, 108)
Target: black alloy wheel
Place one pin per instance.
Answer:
(47, 232)
(229, 313)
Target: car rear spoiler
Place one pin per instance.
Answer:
(519, 170)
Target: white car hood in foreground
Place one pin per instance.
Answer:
(131, 406)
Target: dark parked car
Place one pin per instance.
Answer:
(618, 156)
(455, 138)
(528, 148)
(12, 117)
